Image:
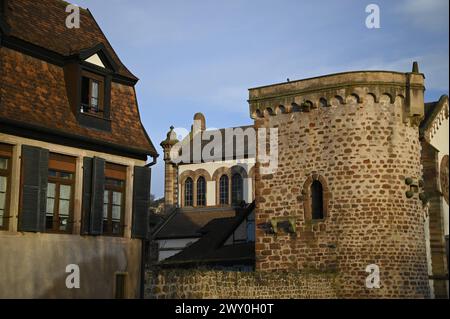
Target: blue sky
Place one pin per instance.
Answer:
(203, 55)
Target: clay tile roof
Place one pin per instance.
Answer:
(187, 223)
(211, 249)
(34, 93)
(42, 23)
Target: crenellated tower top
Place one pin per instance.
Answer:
(324, 91)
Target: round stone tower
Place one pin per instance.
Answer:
(347, 182)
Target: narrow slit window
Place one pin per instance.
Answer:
(317, 200)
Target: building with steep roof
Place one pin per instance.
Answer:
(74, 176)
(199, 189)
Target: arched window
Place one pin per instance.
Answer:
(201, 191)
(237, 193)
(188, 192)
(223, 190)
(317, 200)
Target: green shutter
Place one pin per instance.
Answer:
(98, 189)
(34, 189)
(87, 190)
(141, 202)
(93, 189)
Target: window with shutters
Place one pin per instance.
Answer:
(60, 194)
(188, 192)
(114, 200)
(92, 94)
(201, 191)
(237, 195)
(5, 176)
(224, 190)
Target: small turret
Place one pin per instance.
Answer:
(170, 181)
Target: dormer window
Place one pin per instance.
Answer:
(92, 94)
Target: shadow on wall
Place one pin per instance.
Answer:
(96, 281)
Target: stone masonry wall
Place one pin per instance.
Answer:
(361, 149)
(204, 284)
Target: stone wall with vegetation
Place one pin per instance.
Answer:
(207, 284)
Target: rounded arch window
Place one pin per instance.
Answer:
(201, 191)
(237, 189)
(223, 190)
(188, 192)
(317, 210)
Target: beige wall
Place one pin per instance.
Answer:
(211, 168)
(440, 140)
(33, 265)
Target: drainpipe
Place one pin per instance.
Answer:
(144, 247)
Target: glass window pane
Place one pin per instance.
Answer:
(2, 213)
(94, 89)
(65, 192)
(64, 175)
(3, 163)
(2, 200)
(51, 190)
(117, 198)
(52, 173)
(50, 206)
(116, 210)
(114, 182)
(3, 184)
(64, 208)
(105, 211)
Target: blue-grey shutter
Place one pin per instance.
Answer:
(87, 190)
(34, 189)
(141, 202)
(97, 193)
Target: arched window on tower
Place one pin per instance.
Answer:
(223, 190)
(188, 192)
(237, 193)
(317, 200)
(201, 191)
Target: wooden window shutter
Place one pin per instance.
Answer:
(87, 190)
(141, 202)
(98, 189)
(93, 189)
(34, 189)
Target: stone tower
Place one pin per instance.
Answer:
(170, 171)
(349, 142)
